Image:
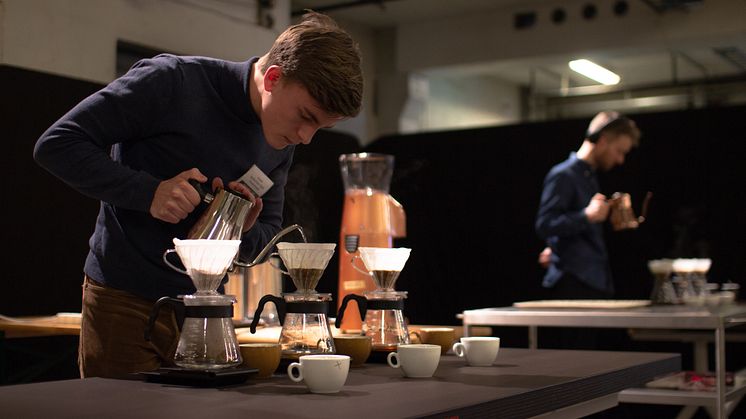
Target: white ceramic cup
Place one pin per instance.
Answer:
(416, 360)
(479, 351)
(321, 373)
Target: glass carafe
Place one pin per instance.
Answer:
(208, 339)
(383, 318)
(306, 328)
(305, 325)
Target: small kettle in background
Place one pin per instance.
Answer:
(224, 218)
(622, 216)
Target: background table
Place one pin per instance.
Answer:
(522, 383)
(31, 326)
(682, 318)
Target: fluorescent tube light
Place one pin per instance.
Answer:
(594, 71)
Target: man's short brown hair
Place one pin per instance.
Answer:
(614, 123)
(324, 59)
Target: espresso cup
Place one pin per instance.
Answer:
(415, 360)
(265, 357)
(357, 347)
(479, 351)
(441, 336)
(321, 373)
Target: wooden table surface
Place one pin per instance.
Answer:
(31, 326)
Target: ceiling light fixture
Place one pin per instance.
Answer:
(594, 71)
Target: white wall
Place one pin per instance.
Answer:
(471, 102)
(77, 38)
(442, 103)
(492, 37)
(421, 50)
(364, 125)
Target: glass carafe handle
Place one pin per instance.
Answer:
(279, 303)
(362, 306)
(178, 306)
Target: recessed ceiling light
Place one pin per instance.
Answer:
(594, 71)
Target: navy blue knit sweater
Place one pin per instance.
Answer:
(166, 115)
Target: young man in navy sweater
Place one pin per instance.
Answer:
(135, 144)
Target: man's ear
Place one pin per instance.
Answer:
(272, 77)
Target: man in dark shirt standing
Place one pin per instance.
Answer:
(572, 211)
(170, 120)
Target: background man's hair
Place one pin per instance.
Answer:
(614, 123)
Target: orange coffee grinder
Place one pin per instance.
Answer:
(370, 218)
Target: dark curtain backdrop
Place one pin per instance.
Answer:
(470, 197)
(46, 223)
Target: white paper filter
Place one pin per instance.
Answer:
(207, 256)
(305, 255)
(384, 258)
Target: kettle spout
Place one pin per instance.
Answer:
(262, 256)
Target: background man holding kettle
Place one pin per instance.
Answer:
(169, 120)
(572, 211)
(570, 219)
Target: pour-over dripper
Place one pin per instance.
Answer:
(663, 289)
(381, 310)
(385, 264)
(305, 262)
(302, 314)
(206, 261)
(691, 278)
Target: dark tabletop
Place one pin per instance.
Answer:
(521, 383)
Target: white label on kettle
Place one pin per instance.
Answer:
(257, 181)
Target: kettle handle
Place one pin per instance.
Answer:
(279, 304)
(178, 309)
(644, 210)
(177, 269)
(204, 196)
(362, 306)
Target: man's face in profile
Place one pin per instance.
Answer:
(611, 149)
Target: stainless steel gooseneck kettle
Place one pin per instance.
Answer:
(224, 218)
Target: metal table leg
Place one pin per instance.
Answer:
(720, 370)
(533, 337)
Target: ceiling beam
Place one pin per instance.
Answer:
(663, 6)
(341, 5)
